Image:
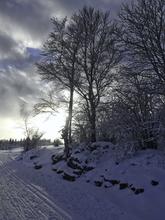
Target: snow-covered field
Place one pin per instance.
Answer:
(132, 189)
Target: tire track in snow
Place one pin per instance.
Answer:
(16, 202)
(20, 200)
(41, 198)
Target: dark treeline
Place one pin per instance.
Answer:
(9, 144)
(113, 72)
(14, 143)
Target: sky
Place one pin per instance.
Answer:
(24, 27)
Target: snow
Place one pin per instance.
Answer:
(28, 193)
(22, 199)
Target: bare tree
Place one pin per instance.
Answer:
(143, 24)
(98, 55)
(32, 135)
(59, 64)
(81, 56)
(134, 108)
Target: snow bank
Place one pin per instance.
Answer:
(131, 189)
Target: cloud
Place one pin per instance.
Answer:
(68, 7)
(7, 45)
(15, 86)
(29, 21)
(25, 21)
(24, 26)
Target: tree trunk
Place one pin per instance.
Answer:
(93, 123)
(65, 138)
(70, 115)
(67, 131)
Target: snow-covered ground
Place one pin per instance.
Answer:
(20, 198)
(107, 192)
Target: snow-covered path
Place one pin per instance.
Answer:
(20, 200)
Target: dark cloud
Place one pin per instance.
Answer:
(7, 45)
(68, 7)
(10, 49)
(29, 19)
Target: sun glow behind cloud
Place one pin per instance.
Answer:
(50, 125)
